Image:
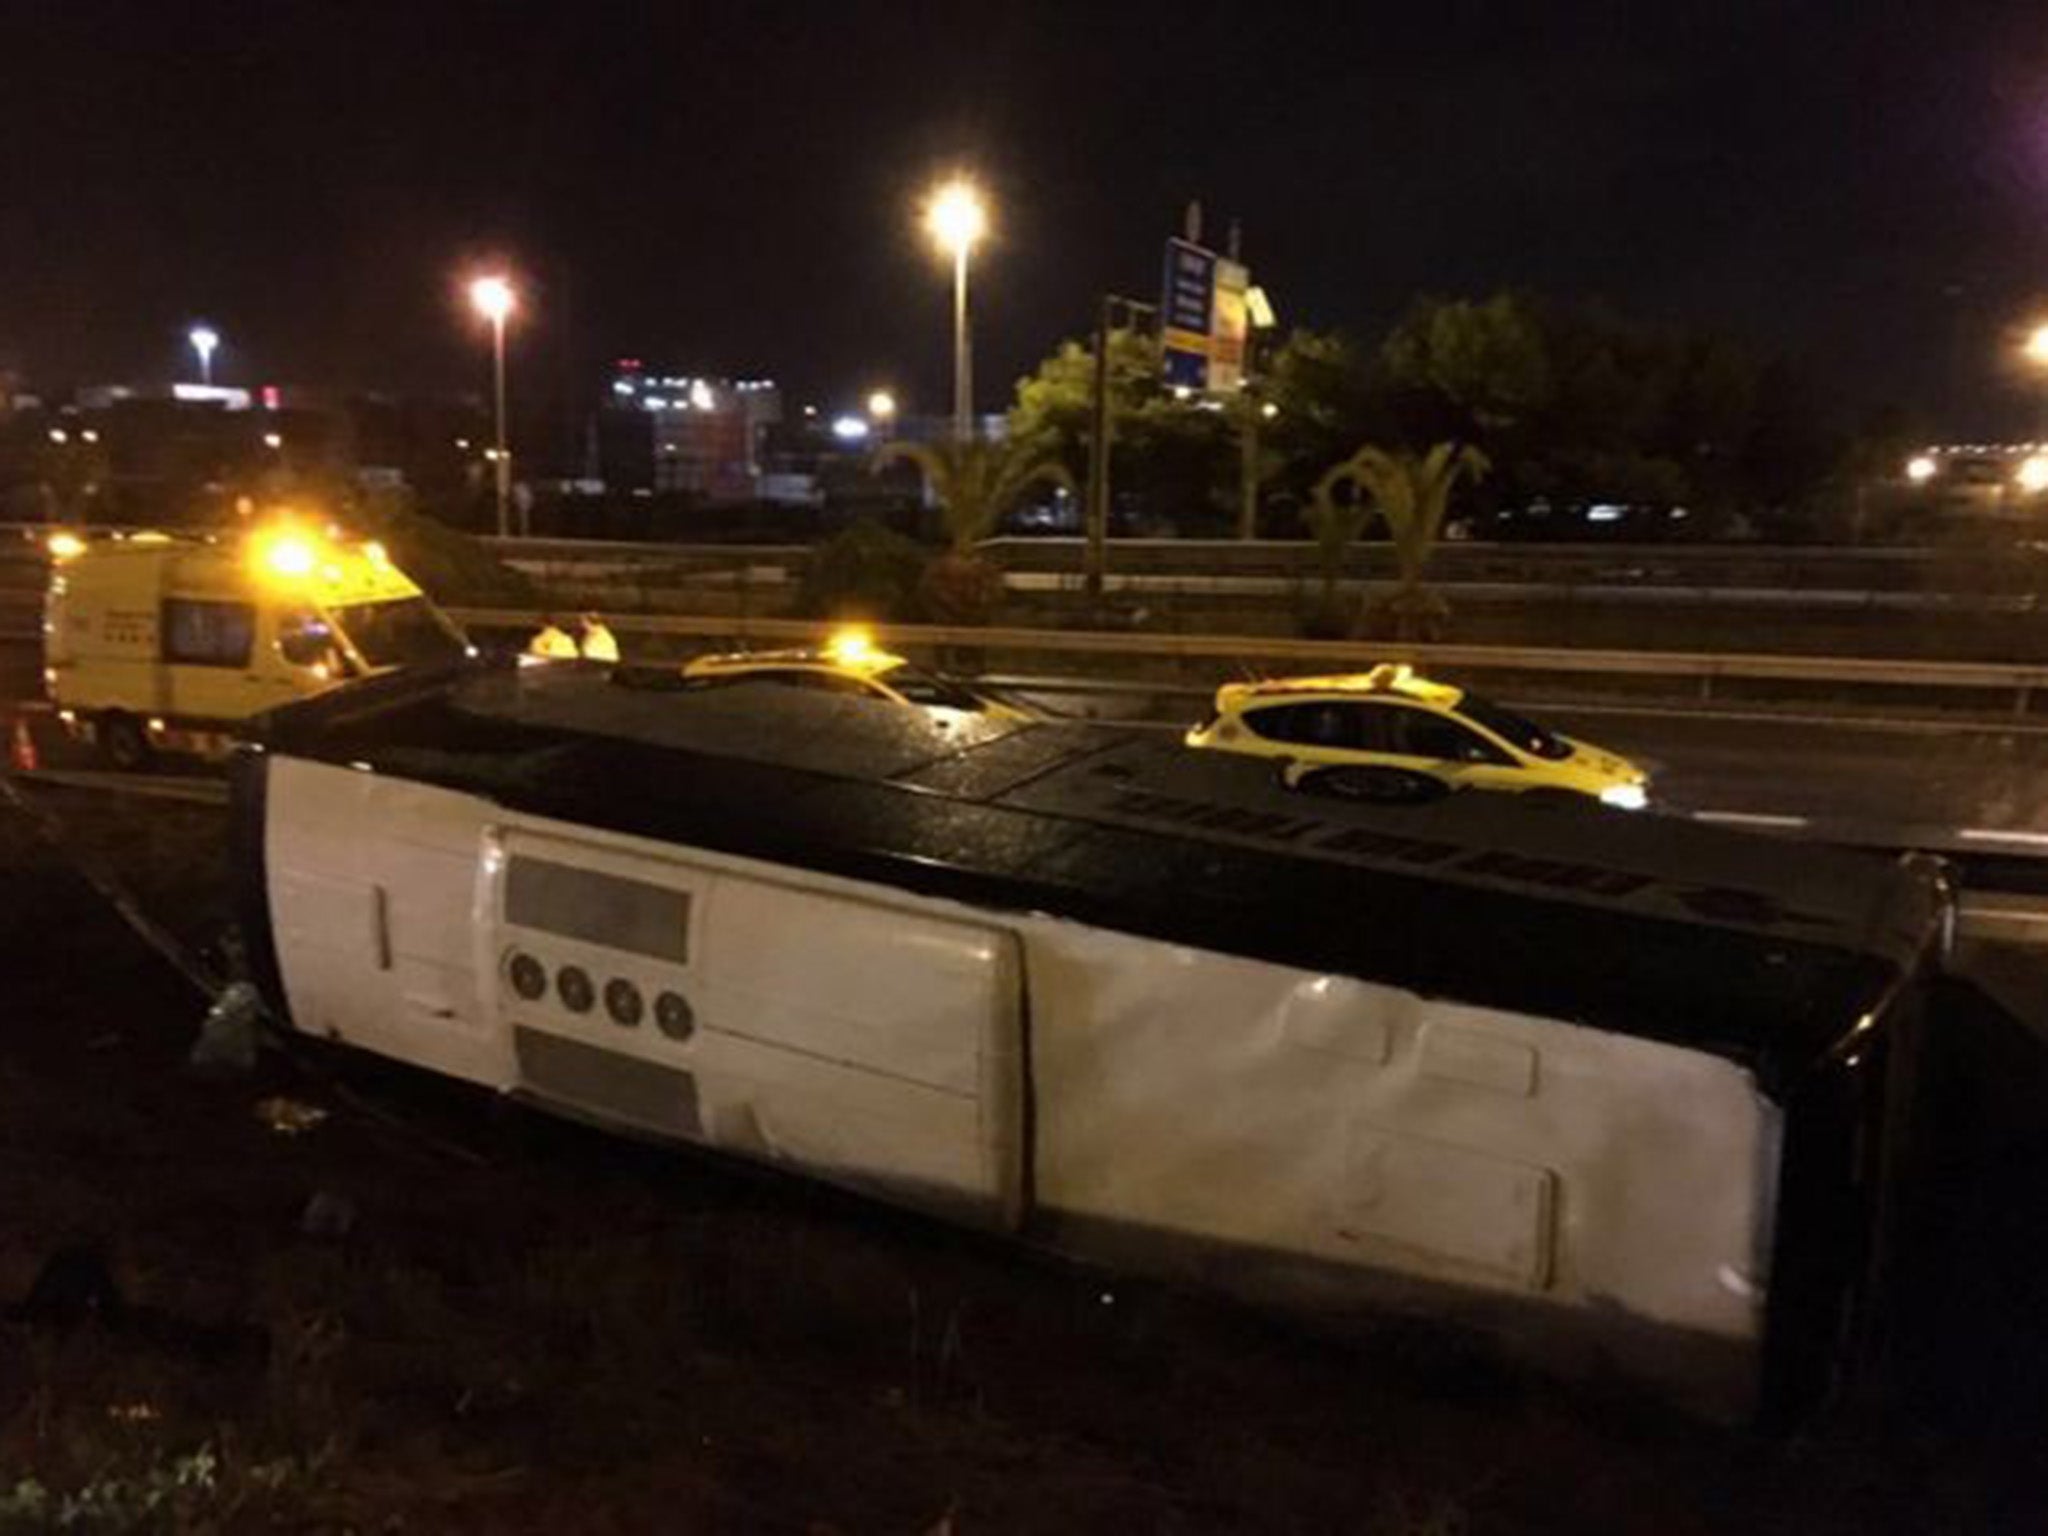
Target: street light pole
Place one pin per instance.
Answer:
(1096, 556)
(501, 461)
(963, 352)
(493, 299)
(956, 218)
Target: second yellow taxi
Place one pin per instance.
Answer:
(1390, 735)
(850, 663)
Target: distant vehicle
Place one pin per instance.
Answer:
(1389, 735)
(850, 664)
(155, 643)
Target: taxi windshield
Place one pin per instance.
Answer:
(920, 687)
(1516, 731)
(399, 632)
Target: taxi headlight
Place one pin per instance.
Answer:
(1625, 797)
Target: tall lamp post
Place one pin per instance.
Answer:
(204, 339)
(493, 299)
(956, 218)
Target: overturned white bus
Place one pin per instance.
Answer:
(1618, 1092)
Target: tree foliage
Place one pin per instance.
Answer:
(1573, 402)
(1411, 493)
(1171, 461)
(1569, 402)
(865, 571)
(974, 482)
(977, 481)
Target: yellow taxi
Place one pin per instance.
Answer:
(849, 664)
(1390, 735)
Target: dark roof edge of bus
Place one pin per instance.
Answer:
(1776, 1004)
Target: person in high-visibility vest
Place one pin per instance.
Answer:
(597, 643)
(552, 642)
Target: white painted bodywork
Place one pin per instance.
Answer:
(1260, 1115)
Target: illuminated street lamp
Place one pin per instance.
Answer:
(205, 340)
(1921, 468)
(2037, 345)
(492, 297)
(956, 218)
(2032, 475)
(882, 407)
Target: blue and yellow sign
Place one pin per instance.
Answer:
(1187, 310)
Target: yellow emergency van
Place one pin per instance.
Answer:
(154, 642)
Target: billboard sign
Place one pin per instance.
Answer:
(1204, 319)
(1230, 323)
(1186, 314)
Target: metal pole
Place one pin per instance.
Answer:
(1248, 468)
(963, 361)
(502, 461)
(1098, 467)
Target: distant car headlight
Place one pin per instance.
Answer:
(1625, 797)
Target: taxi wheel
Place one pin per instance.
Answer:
(123, 742)
(1378, 786)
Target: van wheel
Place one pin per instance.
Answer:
(123, 742)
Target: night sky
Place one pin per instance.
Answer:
(733, 189)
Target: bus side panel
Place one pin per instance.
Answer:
(1481, 1164)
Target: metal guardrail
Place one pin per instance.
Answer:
(1700, 669)
(1833, 569)
(1824, 567)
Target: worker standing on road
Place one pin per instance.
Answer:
(597, 641)
(552, 642)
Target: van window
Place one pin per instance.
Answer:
(207, 634)
(404, 631)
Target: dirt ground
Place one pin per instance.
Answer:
(432, 1312)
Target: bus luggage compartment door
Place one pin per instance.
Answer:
(864, 1040)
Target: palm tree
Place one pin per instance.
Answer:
(974, 483)
(1412, 492)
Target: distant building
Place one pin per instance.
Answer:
(683, 433)
(178, 454)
